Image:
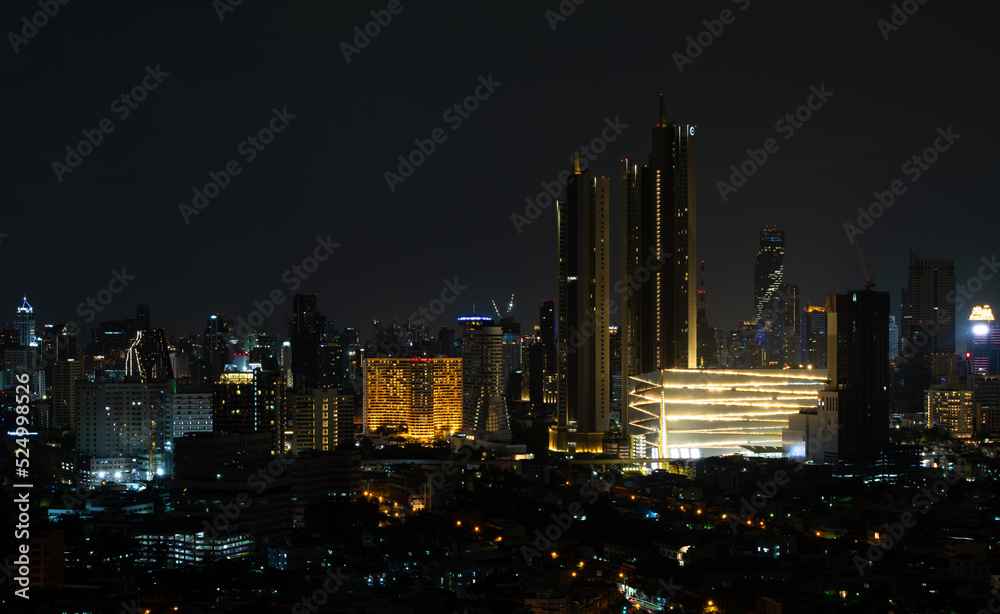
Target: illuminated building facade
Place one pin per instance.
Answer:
(186, 412)
(420, 398)
(983, 345)
(117, 422)
(952, 410)
(689, 413)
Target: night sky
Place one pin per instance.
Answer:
(323, 175)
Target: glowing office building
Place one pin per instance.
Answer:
(418, 398)
(692, 413)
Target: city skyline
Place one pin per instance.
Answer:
(134, 181)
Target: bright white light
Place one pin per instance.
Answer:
(159, 472)
(101, 475)
(118, 475)
(980, 330)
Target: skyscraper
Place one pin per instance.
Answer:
(659, 253)
(983, 344)
(484, 407)
(813, 329)
(547, 336)
(930, 326)
(305, 334)
(25, 323)
(769, 297)
(857, 398)
(583, 346)
(708, 352)
(768, 268)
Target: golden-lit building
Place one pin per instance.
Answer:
(695, 413)
(419, 398)
(952, 410)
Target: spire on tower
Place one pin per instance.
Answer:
(663, 113)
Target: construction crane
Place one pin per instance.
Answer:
(869, 276)
(510, 307)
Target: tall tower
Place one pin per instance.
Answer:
(770, 300)
(25, 323)
(930, 326)
(484, 408)
(305, 334)
(857, 398)
(583, 344)
(660, 253)
(768, 269)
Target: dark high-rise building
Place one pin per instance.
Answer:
(154, 356)
(305, 332)
(768, 268)
(793, 324)
(547, 339)
(547, 332)
(659, 295)
(219, 344)
(615, 340)
(583, 348)
(930, 328)
(857, 397)
(708, 353)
